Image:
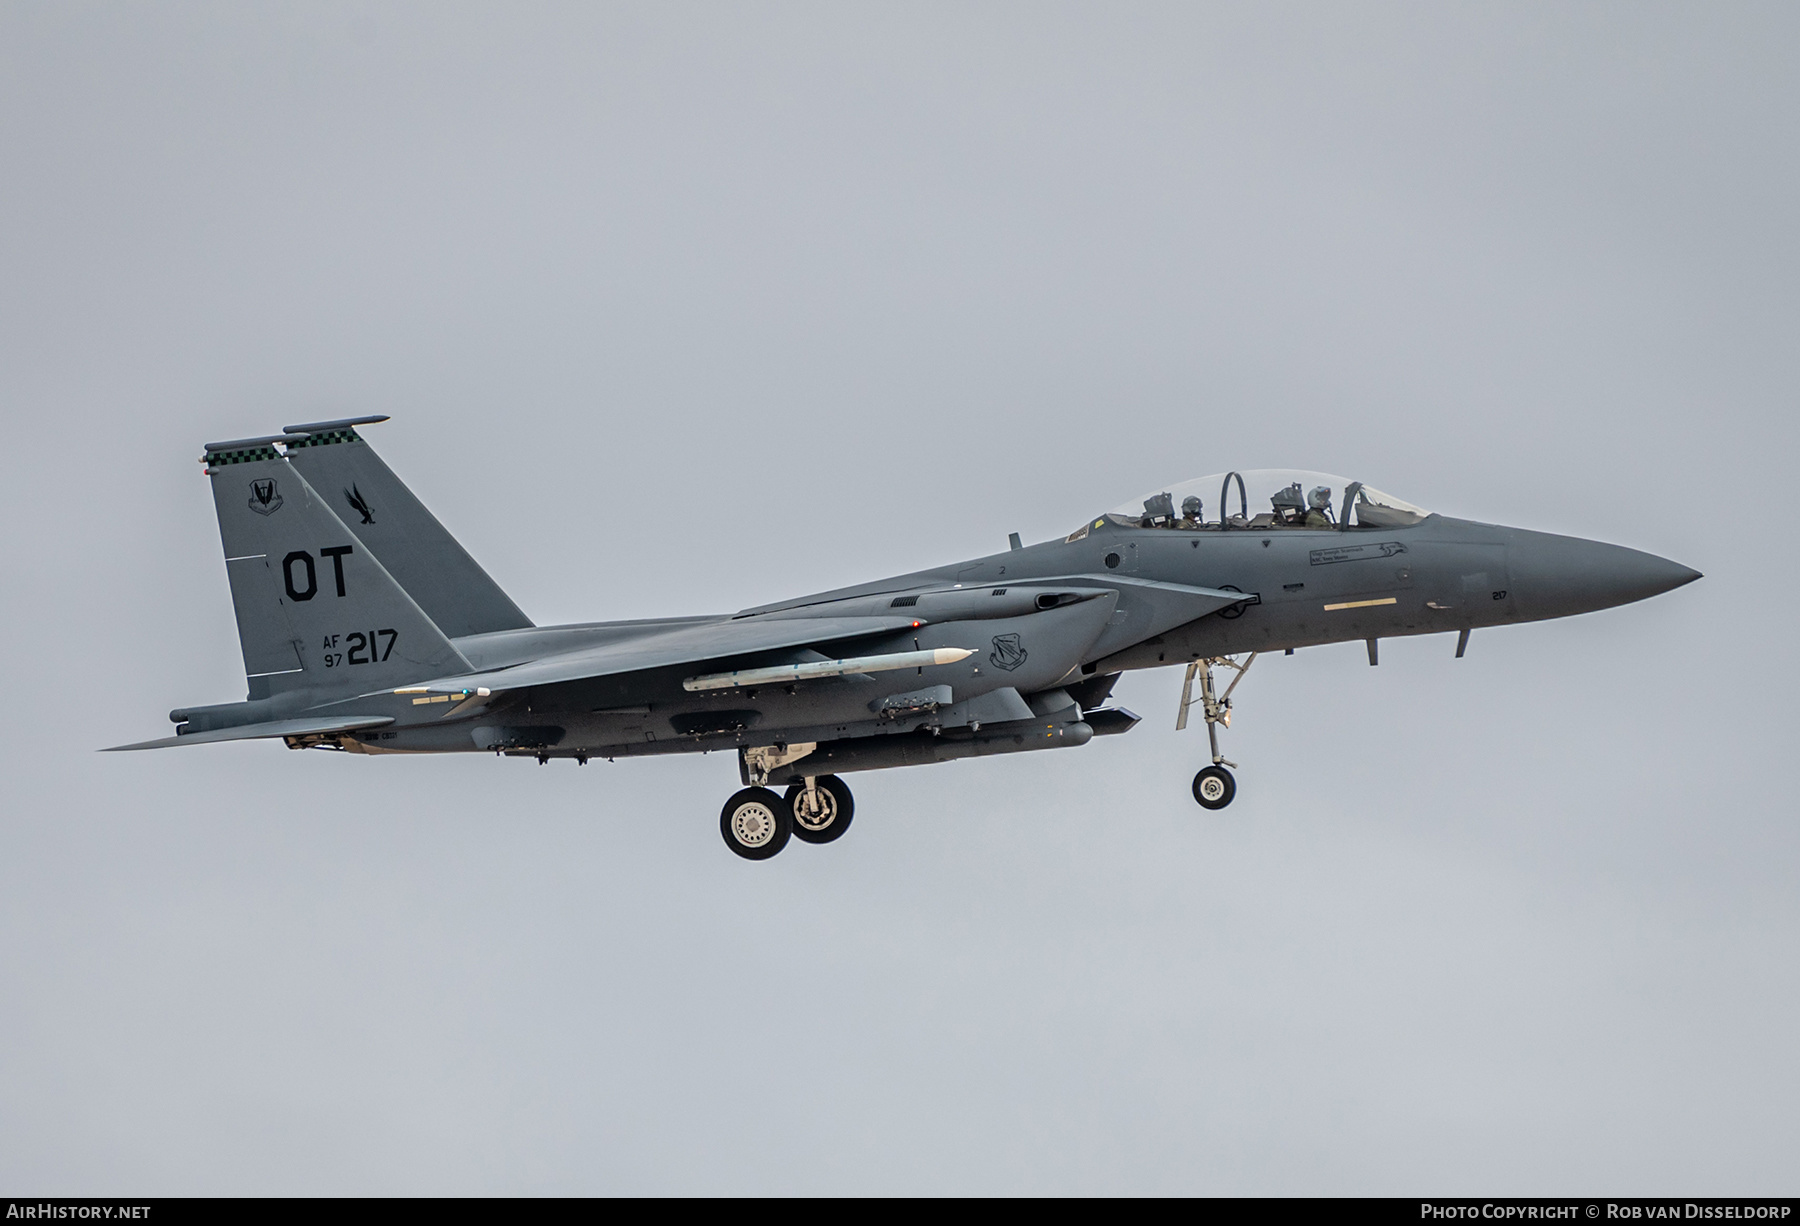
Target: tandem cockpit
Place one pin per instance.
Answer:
(1264, 499)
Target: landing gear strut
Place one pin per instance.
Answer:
(822, 808)
(1214, 786)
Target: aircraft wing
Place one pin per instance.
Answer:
(253, 732)
(1158, 607)
(693, 645)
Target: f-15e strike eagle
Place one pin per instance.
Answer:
(365, 627)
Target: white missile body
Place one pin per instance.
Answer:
(781, 673)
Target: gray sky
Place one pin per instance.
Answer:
(685, 309)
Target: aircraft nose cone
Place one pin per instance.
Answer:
(1555, 576)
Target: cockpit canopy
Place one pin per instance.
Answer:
(1267, 498)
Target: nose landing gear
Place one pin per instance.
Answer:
(1214, 786)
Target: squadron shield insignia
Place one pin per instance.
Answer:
(1008, 653)
(264, 499)
(383, 635)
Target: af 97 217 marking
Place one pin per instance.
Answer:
(363, 647)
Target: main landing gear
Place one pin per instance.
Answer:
(1214, 786)
(757, 822)
(822, 809)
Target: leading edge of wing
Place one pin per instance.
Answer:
(252, 732)
(688, 645)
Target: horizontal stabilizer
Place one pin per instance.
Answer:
(257, 732)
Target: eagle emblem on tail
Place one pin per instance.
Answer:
(359, 504)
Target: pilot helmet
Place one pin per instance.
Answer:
(1190, 507)
(1320, 498)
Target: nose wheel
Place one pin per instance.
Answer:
(1214, 786)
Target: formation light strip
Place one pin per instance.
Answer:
(1361, 604)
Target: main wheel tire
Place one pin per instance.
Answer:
(756, 823)
(1214, 787)
(837, 808)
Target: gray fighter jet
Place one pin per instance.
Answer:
(366, 628)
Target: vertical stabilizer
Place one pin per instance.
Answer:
(417, 550)
(315, 609)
